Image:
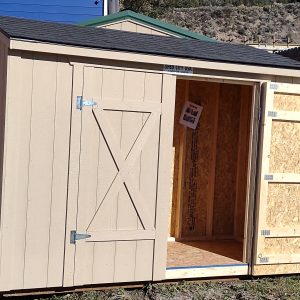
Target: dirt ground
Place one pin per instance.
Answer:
(256, 289)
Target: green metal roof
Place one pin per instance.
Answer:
(163, 26)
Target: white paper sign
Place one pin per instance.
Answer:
(178, 69)
(190, 114)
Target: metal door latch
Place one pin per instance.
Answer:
(80, 103)
(78, 236)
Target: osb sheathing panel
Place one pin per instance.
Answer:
(286, 102)
(282, 246)
(226, 163)
(199, 144)
(276, 269)
(285, 147)
(283, 205)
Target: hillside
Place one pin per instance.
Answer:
(241, 23)
(237, 23)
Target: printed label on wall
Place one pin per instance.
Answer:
(190, 114)
(178, 69)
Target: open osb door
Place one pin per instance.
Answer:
(277, 248)
(118, 165)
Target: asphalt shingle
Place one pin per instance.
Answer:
(108, 39)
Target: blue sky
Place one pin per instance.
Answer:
(66, 11)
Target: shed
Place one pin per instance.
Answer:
(128, 20)
(103, 180)
(293, 53)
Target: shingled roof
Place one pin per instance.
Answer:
(117, 40)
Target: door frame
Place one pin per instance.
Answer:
(255, 124)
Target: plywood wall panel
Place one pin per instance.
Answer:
(285, 147)
(180, 96)
(283, 205)
(288, 102)
(199, 154)
(243, 161)
(226, 164)
(282, 246)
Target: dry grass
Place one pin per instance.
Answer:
(283, 288)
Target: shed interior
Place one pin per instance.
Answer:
(208, 212)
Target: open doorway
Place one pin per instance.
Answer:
(209, 198)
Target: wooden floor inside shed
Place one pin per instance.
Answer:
(204, 253)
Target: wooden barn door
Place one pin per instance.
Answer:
(277, 248)
(118, 139)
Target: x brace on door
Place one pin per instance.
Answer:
(124, 166)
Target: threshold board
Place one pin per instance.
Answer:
(207, 271)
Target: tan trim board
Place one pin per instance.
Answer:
(153, 59)
(281, 232)
(259, 270)
(281, 115)
(207, 271)
(262, 188)
(164, 175)
(282, 177)
(279, 259)
(220, 79)
(286, 88)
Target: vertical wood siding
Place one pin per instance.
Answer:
(35, 175)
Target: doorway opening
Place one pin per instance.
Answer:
(208, 212)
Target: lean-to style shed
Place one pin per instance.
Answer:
(101, 182)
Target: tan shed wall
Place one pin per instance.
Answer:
(35, 173)
(129, 25)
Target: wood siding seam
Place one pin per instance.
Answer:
(28, 169)
(52, 171)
